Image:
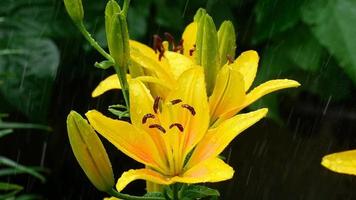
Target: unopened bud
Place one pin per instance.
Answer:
(226, 41)
(89, 152)
(75, 9)
(207, 53)
(117, 34)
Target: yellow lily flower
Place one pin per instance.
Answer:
(171, 136)
(341, 162)
(231, 91)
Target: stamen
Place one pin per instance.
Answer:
(157, 46)
(146, 116)
(156, 104)
(178, 125)
(170, 38)
(176, 101)
(157, 126)
(157, 43)
(190, 108)
(179, 48)
(191, 51)
(230, 59)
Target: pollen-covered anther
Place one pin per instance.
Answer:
(157, 126)
(147, 116)
(191, 51)
(176, 101)
(230, 59)
(156, 104)
(190, 108)
(178, 125)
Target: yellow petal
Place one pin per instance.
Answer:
(178, 63)
(89, 152)
(228, 92)
(141, 103)
(189, 39)
(111, 82)
(212, 170)
(247, 64)
(216, 140)
(258, 92)
(191, 90)
(342, 162)
(143, 48)
(132, 141)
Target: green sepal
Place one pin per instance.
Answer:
(226, 41)
(117, 34)
(104, 64)
(75, 10)
(207, 51)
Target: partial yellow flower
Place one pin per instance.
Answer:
(341, 162)
(171, 136)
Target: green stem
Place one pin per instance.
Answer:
(119, 195)
(92, 41)
(126, 7)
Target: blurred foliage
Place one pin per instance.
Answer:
(309, 41)
(8, 167)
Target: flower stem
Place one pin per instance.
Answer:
(119, 195)
(175, 191)
(92, 41)
(126, 7)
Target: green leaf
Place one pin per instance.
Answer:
(333, 24)
(274, 17)
(21, 168)
(5, 132)
(15, 125)
(30, 76)
(104, 64)
(11, 189)
(29, 197)
(198, 192)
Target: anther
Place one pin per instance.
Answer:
(190, 108)
(178, 125)
(230, 59)
(170, 38)
(156, 104)
(176, 101)
(147, 116)
(179, 48)
(157, 126)
(157, 46)
(191, 51)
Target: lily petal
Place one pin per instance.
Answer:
(195, 120)
(258, 92)
(189, 39)
(141, 103)
(212, 170)
(132, 141)
(178, 63)
(341, 162)
(216, 140)
(247, 64)
(228, 92)
(111, 82)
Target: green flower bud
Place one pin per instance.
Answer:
(90, 152)
(207, 51)
(200, 12)
(75, 9)
(226, 41)
(117, 34)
